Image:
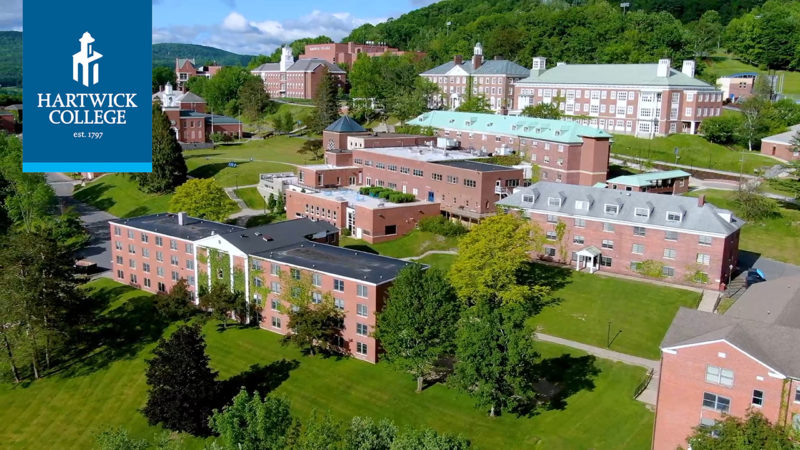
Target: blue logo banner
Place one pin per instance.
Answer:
(87, 96)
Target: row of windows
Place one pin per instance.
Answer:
(161, 286)
(321, 212)
(610, 227)
(159, 241)
(294, 273)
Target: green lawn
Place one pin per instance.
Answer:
(119, 195)
(775, 238)
(587, 303)
(723, 64)
(252, 157)
(441, 261)
(68, 409)
(693, 151)
(413, 244)
(252, 198)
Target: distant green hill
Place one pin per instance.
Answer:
(11, 58)
(165, 54)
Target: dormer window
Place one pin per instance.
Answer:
(554, 201)
(581, 204)
(611, 209)
(641, 212)
(527, 198)
(673, 216)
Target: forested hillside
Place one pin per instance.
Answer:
(165, 54)
(691, 10)
(10, 58)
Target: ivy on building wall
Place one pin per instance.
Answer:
(220, 266)
(561, 233)
(263, 291)
(695, 274)
(238, 279)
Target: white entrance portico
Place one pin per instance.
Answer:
(588, 257)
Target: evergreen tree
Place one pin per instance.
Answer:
(417, 325)
(253, 98)
(183, 388)
(177, 304)
(271, 202)
(169, 167)
(327, 105)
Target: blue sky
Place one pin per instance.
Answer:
(250, 26)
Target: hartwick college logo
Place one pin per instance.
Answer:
(98, 117)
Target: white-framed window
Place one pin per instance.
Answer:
(703, 258)
(362, 310)
(704, 240)
(577, 239)
(758, 398)
(316, 298)
(673, 216)
(339, 303)
(688, 112)
(361, 291)
(668, 271)
(527, 198)
(275, 287)
(609, 227)
(607, 243)
(274, 269)
(670, 253)
(554, 201)
(718, 375)
(580, 223)
(276, 322)
(638, 249)
(361, 348)
(274, 304)
(551, 235)
(641, 212)
(639, 231)
(362, 329)
(316, 279)
(671, 235)
(611, 209)
(338, 285)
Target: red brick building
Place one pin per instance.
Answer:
(328, 176)
(371, 219)
(674, 182)
(7, 122)
(688, 240)
(738, 86)
(492, 79)
(714, 365)
(782, 145)
(347, 52)
(187, 113)
(565, 152)
(155, 252)
(186, 69)
(299, 79)
(644, 100)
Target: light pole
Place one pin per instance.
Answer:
(730, 273)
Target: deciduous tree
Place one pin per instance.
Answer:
(204, 198)
(417, 325)
(315, 321)
(177, 304)
(736, 433)
(251, 422)
(542, 111)
(414, 439)
(253, 98)
(222, 302)
(366, 434)
(161, 76)
(183, 388)
(313, 148)
(327, 105)
(476, 104)
(321, 431)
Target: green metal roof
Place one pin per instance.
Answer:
(648, 178)
(491, 67)
(614, 74)
(528, 127)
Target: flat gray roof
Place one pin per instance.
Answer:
(477, 166)
(167, 224)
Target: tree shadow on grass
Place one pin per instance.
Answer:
(259, 377)
(553, 277)
(212, 169)
(120, 332)
(91, 195)
(562, 377)
(136, 212)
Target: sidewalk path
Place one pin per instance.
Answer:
(709, 301)
(649, 395)
(430, 252)
(245, 212)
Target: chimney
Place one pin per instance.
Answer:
(663, 67)
(539, 66)
(458, 59)
(701, 200)
(477, 56)
(182, 218)
(688, 68)
(561, 63)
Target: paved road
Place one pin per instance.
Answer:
(649, 395)
(96, 221)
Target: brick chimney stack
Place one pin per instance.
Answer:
(477, 56)
(458, 59)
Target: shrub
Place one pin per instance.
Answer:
(722, 129)
(387, 194)
(651, 268)
(441, 226)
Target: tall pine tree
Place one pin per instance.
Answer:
(327, 104)
(169, 167)
(183, 388)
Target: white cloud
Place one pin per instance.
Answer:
(238, 34)
(11, 15)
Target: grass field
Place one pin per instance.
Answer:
(276, 154)
(441, 261)
(587, 303)
(252, 198)
(66, 410)
(774, 238)
(723, 64)
(413, 244)
(693, 151)
(119, 195)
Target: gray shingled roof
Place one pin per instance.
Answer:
(490, 67)
(191, 97)
(773, 345)
(182, 61)
(775, 301)
(787, 137)
(265, 238)
(340, 261)
(268, 67)
(215, 118)
(477, 166)
(308, 65)
(167, 224)
(345, 124)
(706, 219)
(613, 74)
